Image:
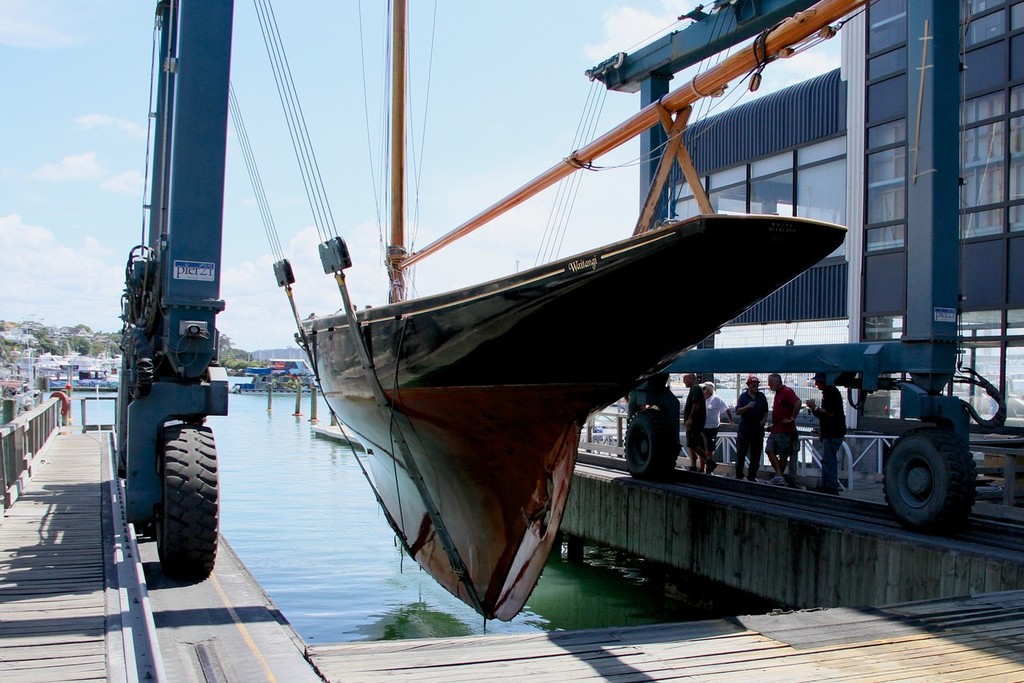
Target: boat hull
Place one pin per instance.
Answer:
(494, 382)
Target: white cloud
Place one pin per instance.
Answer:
(90, 121)
(73, 167)
(628, 28)
(128, 183)
(33, 24)
(44, 278)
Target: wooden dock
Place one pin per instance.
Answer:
(969, 639)
(53, 600)
(66, 613)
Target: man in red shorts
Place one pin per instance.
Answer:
(783, 439)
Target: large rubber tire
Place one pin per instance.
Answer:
(651, 445)
(930, 480)
(187, 528)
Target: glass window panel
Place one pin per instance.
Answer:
(888, 63)
(981, 323)
(986, 27)
(886, 185)
(821, 192)
(889, 237)
(984, 107)
(1015, 384)
(1017, 94)
(883, 327)
(888, 24)
(887, 99)
(1016, 221)
(772, 195)
(731, 200)
(685, 206)
(982, 159)
(729, 176)
(985, 359)
(821, 151)
(980, 223)
(986, 68)
(889, 133)
(1016, 158)
(1017, 16)
(978, 6)
(1015, 324)
(771, 165)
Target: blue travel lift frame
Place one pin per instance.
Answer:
(170, 379)
(929, 473)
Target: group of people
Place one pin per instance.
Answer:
(703, 411)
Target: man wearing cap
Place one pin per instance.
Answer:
(752, 407)
(784, 438)
(832, 425)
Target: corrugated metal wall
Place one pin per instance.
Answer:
(796, 116)
(800, 114)
(817, 294)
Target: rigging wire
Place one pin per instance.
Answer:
(310, 171)
(254, 175)
(417, 164)
(568, 188)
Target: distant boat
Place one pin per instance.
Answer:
(470, 403)
(83, 373)
(279, 374)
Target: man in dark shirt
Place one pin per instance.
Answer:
(832, 424)
(694, 416)
(752, 407)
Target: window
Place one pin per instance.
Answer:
(981, 223)
(1016, 158)
(982, 159)
(889, 237)
(883, 328)
(888, 25)
(986, 27)
(984, 107)
(886, 185)
(820, 151)
(772, 195)
(1016, 219)
(686, 205)
(971, 7)
(887, 64)
(890, 133)
(1015, 327)
(1014, 384)
(981, 324)
(731, 200)
(821, 192)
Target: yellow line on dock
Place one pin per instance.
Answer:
(241, 628)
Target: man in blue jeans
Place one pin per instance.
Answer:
(832, 425)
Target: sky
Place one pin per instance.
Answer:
(497, 95)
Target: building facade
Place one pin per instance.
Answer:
(841, 147)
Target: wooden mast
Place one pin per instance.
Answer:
(396, 254)
(711, 82)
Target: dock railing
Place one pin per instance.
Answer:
(861, 459)
(24, 437)
(20, 441)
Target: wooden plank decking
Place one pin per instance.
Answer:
(975, 638)
(52, 590)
